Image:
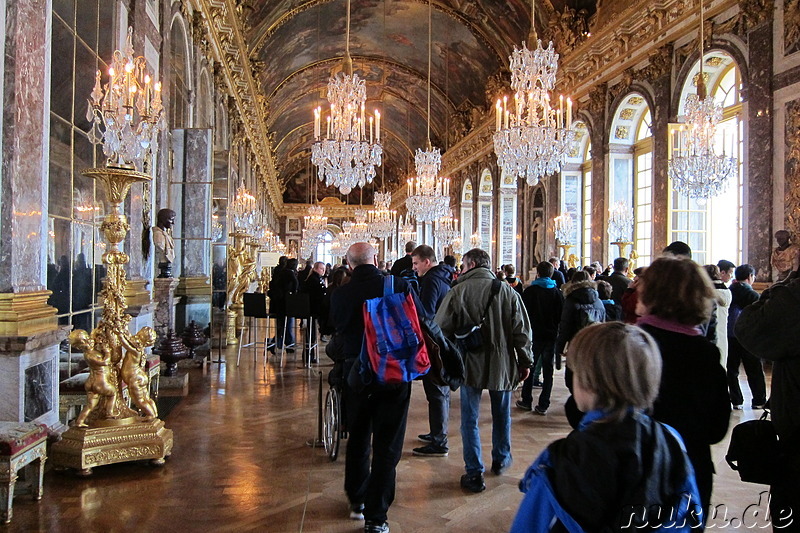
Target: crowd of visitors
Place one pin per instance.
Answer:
(653, 359)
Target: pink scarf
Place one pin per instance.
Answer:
(669, 325)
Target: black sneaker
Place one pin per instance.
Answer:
(538, 384)
(357, 511)
(524, 406)
(498, 468)
(376, 527)
(431, 450)
(473, 482)
(539, 411)
(425, 437)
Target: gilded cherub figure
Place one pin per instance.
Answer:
(133, 372)
(100, 385)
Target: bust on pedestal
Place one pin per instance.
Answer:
(163, 242)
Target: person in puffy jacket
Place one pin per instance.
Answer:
(582, 307)
(620, 470)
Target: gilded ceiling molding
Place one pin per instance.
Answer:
(791, 26)
(615, 47)
(476, 30)
(225, 34)
(756, 12)
(334, 208)
(474, 146)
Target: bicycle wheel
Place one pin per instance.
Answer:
(330, 424)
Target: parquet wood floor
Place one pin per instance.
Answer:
(241, 463)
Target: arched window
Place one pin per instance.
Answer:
(631, 167)
(709, 227)
(574, 189)
(179, 76)
(485, 212)
(466, 212)
(507, 248)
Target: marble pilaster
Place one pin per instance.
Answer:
(661, 191)
(759, 148)
(792, 167)
(25, 145)
(599, 164)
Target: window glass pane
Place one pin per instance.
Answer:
(85, 68)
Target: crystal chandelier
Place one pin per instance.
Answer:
(127, 116)
(564, 228)
(347, 157)
(697, 172)
(446, 230)
(475, 240)
(407, 231)
(315, 223)
(243, 209)
(382, 220)
(428, 193)
(532, 138)
(360, 230)
(620, 222)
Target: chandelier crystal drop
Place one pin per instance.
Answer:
(407, 231)
(428, 194)
(620, 222)
(126, 113)
(532, 137)
(315, 223)
(697, 171)
(360, 230)
(382, 219)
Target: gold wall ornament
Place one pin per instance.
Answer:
(241, 269)
(115, 356)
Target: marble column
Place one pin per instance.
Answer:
(600, 240)
(191, 200)
(29, 334)
(661, 191)
(759, 150)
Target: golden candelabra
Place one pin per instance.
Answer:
(566, 247)
(622, 247)
(242, 262)
(107, 430)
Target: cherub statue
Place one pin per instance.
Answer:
(572, 261)
(100, 384)
(133, 372)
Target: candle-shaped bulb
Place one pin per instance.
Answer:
(147, 78)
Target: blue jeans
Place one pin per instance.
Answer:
(501, 427)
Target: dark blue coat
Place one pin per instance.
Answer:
(432, 288)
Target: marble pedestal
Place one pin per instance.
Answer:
(164, 297)
(29, 378)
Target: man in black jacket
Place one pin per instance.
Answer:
(618, 279)
(377, 414)
(743, 295)
(544, 303)
(768, 328)
(314, 286)
(434, 283)
(404, 263)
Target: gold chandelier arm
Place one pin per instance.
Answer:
(701, 82)
(429, 72)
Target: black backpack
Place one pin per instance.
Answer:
(411, 279)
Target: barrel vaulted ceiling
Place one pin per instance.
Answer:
(297, 44)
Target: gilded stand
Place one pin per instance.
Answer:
(242, 261)
(107, 431)
(570, 259)
(622, 247)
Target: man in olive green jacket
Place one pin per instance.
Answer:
(503, 362)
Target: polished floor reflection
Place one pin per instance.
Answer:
(241, 463)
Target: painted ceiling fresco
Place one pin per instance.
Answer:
(300, 42)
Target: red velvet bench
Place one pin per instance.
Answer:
(21, 444)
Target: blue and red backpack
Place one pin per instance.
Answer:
(394, 349)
